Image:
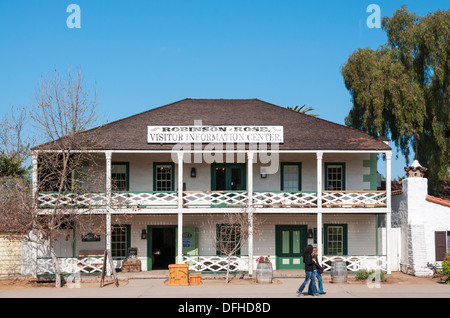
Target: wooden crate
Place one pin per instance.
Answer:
(195, 278)
(178, 275)
(131, 266)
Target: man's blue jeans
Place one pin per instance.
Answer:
(311, 278)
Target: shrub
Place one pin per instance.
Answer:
(446, 267)
(363, 274)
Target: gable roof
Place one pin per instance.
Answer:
(301, 131)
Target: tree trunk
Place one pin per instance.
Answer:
(228, 267)
(55, 262)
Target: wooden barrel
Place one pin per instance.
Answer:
(264, 273)
(338, 272)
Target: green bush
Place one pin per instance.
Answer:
(363, 274)
(446, 267)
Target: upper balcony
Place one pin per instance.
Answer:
(144, 183)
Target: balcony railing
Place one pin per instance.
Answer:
(216, 199)
(354, 199)
(274, 199)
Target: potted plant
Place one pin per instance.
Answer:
(264, 270)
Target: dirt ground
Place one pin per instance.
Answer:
(27, 283)
(395, 278)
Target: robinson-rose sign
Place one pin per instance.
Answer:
(215, 134)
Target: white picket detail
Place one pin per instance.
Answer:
(71, 199)
(354, 199)
(70, 265)
(194, 199)
(197, 199)
(145, 199)
(285, 199)
(215, 263)
(355, 263)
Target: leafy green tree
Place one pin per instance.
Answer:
(402, 89)
(14, 148)
(13, 167)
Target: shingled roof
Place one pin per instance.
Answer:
(301, 131)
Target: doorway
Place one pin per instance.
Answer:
(161, 246)
(228, 176)
(290, 243)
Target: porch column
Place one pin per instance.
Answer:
(35, 195)
(319, 156)
(388, 213)
(108, 156)
(250, 210)
(180, 209)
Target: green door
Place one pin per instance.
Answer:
(290, 243)
(228, 176)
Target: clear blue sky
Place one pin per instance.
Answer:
(144, 54)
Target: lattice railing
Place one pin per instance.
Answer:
(284, 199)
(193, 199)
(217, 199)
(216, 263)
(355, 263)
(70, 265)
(145, 199)
(354, 199)
(71, 199)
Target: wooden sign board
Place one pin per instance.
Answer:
(132, 253)
(106, 257)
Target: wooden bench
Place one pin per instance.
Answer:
(95, 253)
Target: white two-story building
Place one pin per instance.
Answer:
(177, 169)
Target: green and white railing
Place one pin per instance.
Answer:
(216, 199)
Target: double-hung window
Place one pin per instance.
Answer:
(228, 239)
(335, 239)
(120, 241)
(291, 177)
(335, 176)
(163, 177)
(120, 176)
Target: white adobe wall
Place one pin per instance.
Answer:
(419, 220)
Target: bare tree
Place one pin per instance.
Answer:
(68, 187)
(232, 233)
(15, 185)
(65, 108)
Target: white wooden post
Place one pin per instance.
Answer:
(319, 156)
(250, 210)
(108, 156)
(35, 194)
(180, 209)
(388, 213)
(34, 158)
